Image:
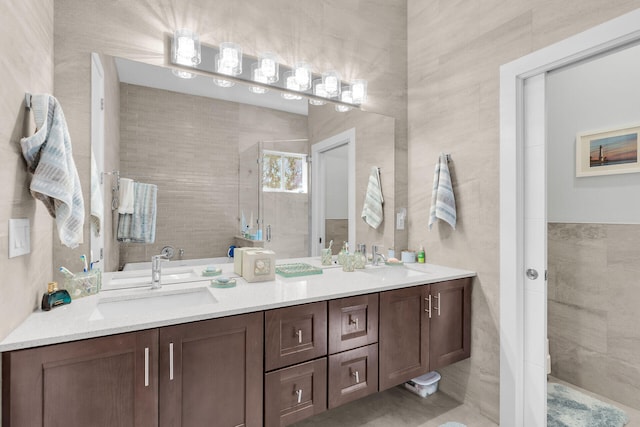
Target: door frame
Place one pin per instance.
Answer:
(515, 330)
(318, 198)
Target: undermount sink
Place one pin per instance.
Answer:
(140, 278)
(386, 272)
(151, 300)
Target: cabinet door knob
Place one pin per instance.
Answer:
(357, 375)
(299, 394)
(353, 321)
(299, 335)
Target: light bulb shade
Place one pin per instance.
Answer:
(185, 49)
(269, 67)
(332, 84)
(318, 90)
(359, 91)
(291, 83)
(229, 59)
(258, 76)
(347, 97)
(303, 76)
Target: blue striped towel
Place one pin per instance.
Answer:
(55, 178)
(140, 226)
(443, 202)
(372, 209)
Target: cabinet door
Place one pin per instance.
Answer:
(353, 374)
(450, 323)
(211, 373)
(295, 393)
(353, 322)
(100, 382)
(295, 334)
(404, 335)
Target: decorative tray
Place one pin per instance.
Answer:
(297, 269)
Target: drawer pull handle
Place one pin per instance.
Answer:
(170, 361)
(357, 375)
(353, 321)
(437, 307)
(428, 309)
(146, 366)
(299, 335)
(299, 394)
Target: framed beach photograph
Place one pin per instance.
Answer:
(608, 152)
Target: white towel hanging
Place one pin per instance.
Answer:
(443, 201)
(372, 212)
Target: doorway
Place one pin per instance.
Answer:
(522, 194)
(325, 156)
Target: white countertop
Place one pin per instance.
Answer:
(81, 319)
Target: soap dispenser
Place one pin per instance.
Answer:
(54, 297)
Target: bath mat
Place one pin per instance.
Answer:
(570, 408)
(452, 424)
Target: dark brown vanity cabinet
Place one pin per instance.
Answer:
(195, 374)
(211, 373)
(353, 348)
(295, 384)
(295, 334)
(109, 381)
(423, 328)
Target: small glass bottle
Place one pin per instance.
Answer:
(360, 259)
(54, 297)
(343, 253)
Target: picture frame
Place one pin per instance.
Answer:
(608, 152)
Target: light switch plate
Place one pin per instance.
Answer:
(19, 237)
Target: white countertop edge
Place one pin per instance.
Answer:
(29, 335)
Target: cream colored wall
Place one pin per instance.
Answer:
(455, 50)
(26, 65)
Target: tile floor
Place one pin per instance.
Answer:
(397, 407)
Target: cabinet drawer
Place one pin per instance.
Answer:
(353, 374)
(353, 322)
(295, 334)
(295, 393)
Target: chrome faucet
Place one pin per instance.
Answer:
(156, 270)
(376, 255)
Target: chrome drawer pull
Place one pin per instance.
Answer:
(428, 301)
(170, 361)
(353, 322)
(438, 306)
(146, 366)
(357, 375)
(299, 394)
(299, 335)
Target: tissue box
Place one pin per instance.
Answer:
(238, 254)
(258, 265)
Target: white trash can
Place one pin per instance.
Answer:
(424, 385)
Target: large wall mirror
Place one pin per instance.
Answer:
(223, 160)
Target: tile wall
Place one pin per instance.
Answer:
(593, 296)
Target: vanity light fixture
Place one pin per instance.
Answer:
(347, 97)
(225, 65)
(291, 83)
(185, 51)
(318, 90)
(332, 85)
(359, 91)
(269, 67)
(258, 76)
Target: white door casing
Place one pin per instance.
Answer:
(522, 198)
